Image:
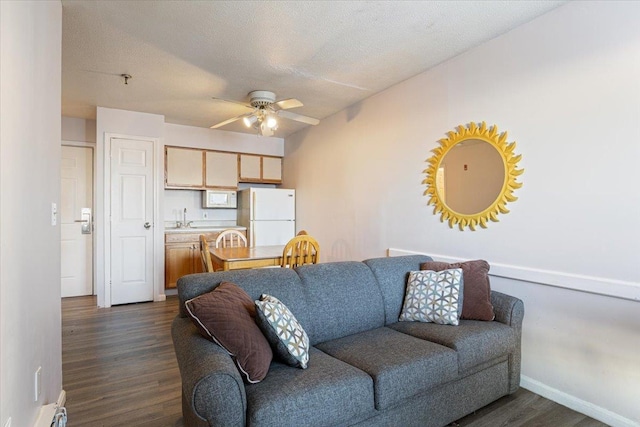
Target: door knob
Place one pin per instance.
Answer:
(147, 225)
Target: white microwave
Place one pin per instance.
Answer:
(223, 199)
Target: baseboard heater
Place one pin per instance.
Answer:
(54, 414)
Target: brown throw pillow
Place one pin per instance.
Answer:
(226, 315)
(476, 301)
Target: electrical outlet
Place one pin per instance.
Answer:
(205, 215)
(37, 384)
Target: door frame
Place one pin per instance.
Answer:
(94, 259)
(158, 228)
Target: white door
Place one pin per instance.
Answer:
(76, 229)
(132, 215)
(274, 204)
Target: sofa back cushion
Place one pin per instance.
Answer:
(282, 283)
(343, 298)
(392, 274)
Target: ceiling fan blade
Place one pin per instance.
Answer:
(244, 104)
(298, 117)
(285, 104)
(226, 122)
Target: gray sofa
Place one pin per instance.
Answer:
(365, 367)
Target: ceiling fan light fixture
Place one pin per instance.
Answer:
(272, 123)
(249, 120)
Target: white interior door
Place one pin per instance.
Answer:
(76, 229)
(132, 204)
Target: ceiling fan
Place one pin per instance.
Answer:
(265, 112)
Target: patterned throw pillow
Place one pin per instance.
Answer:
(433, 297)
(283, 331)
(477, 289)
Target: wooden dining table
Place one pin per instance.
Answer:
(243, 258)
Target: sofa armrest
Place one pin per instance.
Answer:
(212, 390)
(508, 310)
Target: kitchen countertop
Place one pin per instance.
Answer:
(202, 229)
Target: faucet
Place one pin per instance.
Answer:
(185, 223)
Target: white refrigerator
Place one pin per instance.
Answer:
(269, 215)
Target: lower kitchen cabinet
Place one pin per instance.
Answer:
(180, 259)
(182, 255)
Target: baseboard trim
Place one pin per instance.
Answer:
(62, 398)
(576, 404)
(576, 282)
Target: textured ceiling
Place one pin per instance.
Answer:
(327, 54)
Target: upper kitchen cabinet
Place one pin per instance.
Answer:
(197, 169)
(184, 168)
(260, 169)
(221, 170)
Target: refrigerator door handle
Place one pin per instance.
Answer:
(253, 236)
(253, 211)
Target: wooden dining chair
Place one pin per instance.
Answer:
(231, 239)
(300, 250)
(205, 255)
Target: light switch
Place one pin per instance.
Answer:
(54, 214)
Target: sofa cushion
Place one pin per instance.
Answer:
(328, 392)
(343, 298)
(433, 297)
(282, 283)
(401, 365)
(474, 341)
(477, 289)
(226, 315)
(287, 338)
(392, 274)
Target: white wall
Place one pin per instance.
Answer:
(75, 129)
(127, 123)
(188, 136)
(171, 202)
(213, 139)
(565, 86)
(30, 322)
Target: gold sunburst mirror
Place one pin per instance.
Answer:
(472, 176)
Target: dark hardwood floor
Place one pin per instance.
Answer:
(119, 369)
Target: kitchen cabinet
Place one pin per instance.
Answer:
(221, 170)
(271, 169)
(180, 259)
(184, 168)
(196, 169)
(182, 254)
(260, 169)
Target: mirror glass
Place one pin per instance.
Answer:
(470, 176)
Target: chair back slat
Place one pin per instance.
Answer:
(205, 255)
(302, 249)
(231, 239)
